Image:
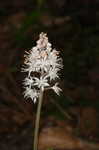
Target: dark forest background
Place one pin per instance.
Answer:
(73, 28)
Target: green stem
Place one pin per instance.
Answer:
(36, 131)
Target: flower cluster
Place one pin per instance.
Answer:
(42, 63)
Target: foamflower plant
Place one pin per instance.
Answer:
(42, 64)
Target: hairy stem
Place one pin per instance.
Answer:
(36, 131)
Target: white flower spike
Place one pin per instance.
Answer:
(42, 63)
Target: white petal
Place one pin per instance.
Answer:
(56, 89)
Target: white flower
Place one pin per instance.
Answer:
(54, 59)
(56, 89)
(41, 83)
(30, 67)
(28, 82)
(53, 73)
(32, 93)
(42, 63)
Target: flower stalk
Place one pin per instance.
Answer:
(37, 122)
